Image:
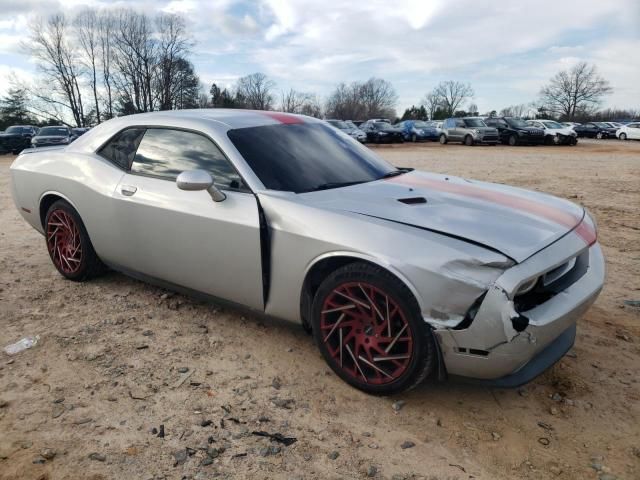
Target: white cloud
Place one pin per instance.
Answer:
(507, 50)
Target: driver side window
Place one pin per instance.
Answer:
(165, 153)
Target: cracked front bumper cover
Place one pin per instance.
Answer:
(536, 366)
(491, 349)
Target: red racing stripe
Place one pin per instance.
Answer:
(517, 203)
(285, 118)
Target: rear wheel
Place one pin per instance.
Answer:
(69, 245)
(443, 139)
(368, 327)
(468, 141)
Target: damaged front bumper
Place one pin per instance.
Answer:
(513, 338)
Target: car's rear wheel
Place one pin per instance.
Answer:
(623, 136)
(513, 140)
(368, 327)
(468, 141)
(69, 245)
(443, 139)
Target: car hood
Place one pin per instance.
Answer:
(9, 135)
(390, 130)
(45, 138)
(515, 222)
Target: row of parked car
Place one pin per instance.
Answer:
(485, 130)
(18, 137)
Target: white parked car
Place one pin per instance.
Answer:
(555, 133)
(630, 131)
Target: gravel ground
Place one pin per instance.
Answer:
(130, 381)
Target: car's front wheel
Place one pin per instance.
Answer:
(513, 140)
(468, 141)
(599, 135)
(368, 327)
(443, 139)
(69, 245)
(623, 136)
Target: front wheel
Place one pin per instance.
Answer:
(599, 136)
(414, 139)
(468, 141)
(623, 136)
(69, 245)
(513, 140)
(443, 139)
(368, 327)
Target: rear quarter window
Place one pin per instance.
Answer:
(122, 147)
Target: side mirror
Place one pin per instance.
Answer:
(193, 180)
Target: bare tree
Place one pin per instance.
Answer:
(431, 102)
(256, 91)
(452, 95)
(86, 24)
(57, 60)
(361, 100)
(518, 111)
(302, 103)
(106, 30)
(135, 60)
(379, 98)
(173, 46)
(575, 91)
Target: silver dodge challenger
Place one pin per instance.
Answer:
(398, 274)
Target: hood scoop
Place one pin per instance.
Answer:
(413, 200)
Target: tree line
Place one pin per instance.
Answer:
(103, 63)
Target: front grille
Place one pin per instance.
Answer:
(553, 282)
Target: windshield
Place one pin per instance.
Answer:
(14, 130)
(338, 124)
(601, 124)
(306, 157)
(474, 122)
(420, 124)
(517, 122)
(61, 131)
(550, 124)
(381, 125)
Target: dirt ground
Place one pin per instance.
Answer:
(88, 400)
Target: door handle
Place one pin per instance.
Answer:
(128, 190)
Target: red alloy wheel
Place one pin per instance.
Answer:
(63, 242)
(366, 333)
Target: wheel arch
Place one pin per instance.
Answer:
(49, 198)
(322, 266)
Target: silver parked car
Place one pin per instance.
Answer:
(350, 130)
(468, 130)
(398, 274)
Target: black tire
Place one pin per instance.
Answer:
(468, 141)
(414, 139)
(513, 140)
(599, 135)
(623, 136)
(443, 139)
(418, 363)
(88, 265)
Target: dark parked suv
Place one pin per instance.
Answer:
(515, 131)
(468, 130)
(16, 138)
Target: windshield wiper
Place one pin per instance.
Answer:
(395, 173)
(329, 185)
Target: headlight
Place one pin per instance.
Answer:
(476, 132)
(527, 286)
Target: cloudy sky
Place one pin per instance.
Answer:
(506, 49)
